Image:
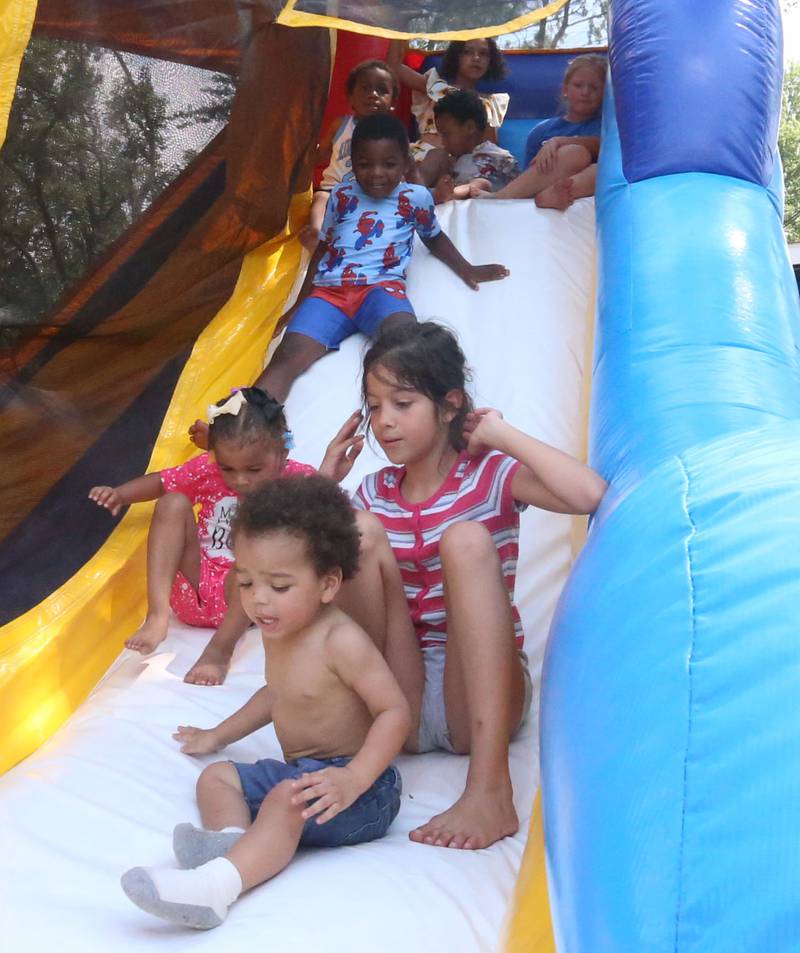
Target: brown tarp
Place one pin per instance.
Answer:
(66, 403)
(207, 33)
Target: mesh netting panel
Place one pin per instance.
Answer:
(95, 137)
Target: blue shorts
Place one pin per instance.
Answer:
(331, 314)
(367, 818)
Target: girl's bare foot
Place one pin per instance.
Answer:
(150, 634)
(478, 819)
(558, 196)
(211, 668)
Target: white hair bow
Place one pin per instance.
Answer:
(232, 405)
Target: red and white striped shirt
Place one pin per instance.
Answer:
(477, 488)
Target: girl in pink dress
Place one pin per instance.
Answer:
(188, 558)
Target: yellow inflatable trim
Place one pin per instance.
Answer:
(529, 928)
(16, 23)
(52, 656)
(290, 16)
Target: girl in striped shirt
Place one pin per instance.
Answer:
(449, 507)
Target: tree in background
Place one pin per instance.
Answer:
(789, 146)
(84, 156)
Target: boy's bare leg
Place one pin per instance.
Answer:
(271, 841)
(214, 662)
(295, 354)
(484, 690)
(172, 545)
(220, 798)
(569, 160)
(562, 194)
(376, 600)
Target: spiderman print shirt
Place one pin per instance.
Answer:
(369, 240)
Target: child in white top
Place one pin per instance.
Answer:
(463, 65)
(371, 88)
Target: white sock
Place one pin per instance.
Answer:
(198, 898)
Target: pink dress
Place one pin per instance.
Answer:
(200, 480)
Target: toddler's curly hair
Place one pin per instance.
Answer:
(314, 509)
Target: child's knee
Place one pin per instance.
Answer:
(573, 158)
(174, 505)
(280, 799)
(372, 533)
(219, 774)
(467, 542)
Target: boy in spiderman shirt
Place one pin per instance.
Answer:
(356, 277)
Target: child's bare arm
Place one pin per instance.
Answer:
(354, 657)
(442, 248)
(549, 478)
(407, 76)
(309, 234)
(113, 498)
(308, 281)
(253, 715)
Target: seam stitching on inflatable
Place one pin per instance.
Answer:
(688, 544)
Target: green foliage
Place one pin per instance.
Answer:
(577, 23)
(84, 156)
(789, 146)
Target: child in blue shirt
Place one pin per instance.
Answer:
(356, 278)
(561, 152)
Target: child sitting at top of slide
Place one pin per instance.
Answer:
(449, 504)
(561, 152)
(461, 121)
(338, 712)
(371, 88)
(356, 277)
(464, 64)
(188, 561)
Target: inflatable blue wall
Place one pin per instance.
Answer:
(671, 693)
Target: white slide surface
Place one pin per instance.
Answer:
(105, 792)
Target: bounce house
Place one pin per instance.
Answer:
(658, 323)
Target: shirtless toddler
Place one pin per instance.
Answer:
(338, 712)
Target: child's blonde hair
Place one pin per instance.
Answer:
(586, 61)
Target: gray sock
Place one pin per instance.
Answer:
(192, 898)
(193, 846)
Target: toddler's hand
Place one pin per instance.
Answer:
(198, 434)
(332, 790)
(479, 187)
(343, 449)
(478, 429)
(476, 274)
(197, 740)
(108, 497)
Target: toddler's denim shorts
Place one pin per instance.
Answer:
(367, 818)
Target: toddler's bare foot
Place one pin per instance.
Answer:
(444, 190)
(198, 434)
(149, 635)
(558, 196)
(211, 668)
(477, 819)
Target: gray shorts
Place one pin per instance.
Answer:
(433, 730)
